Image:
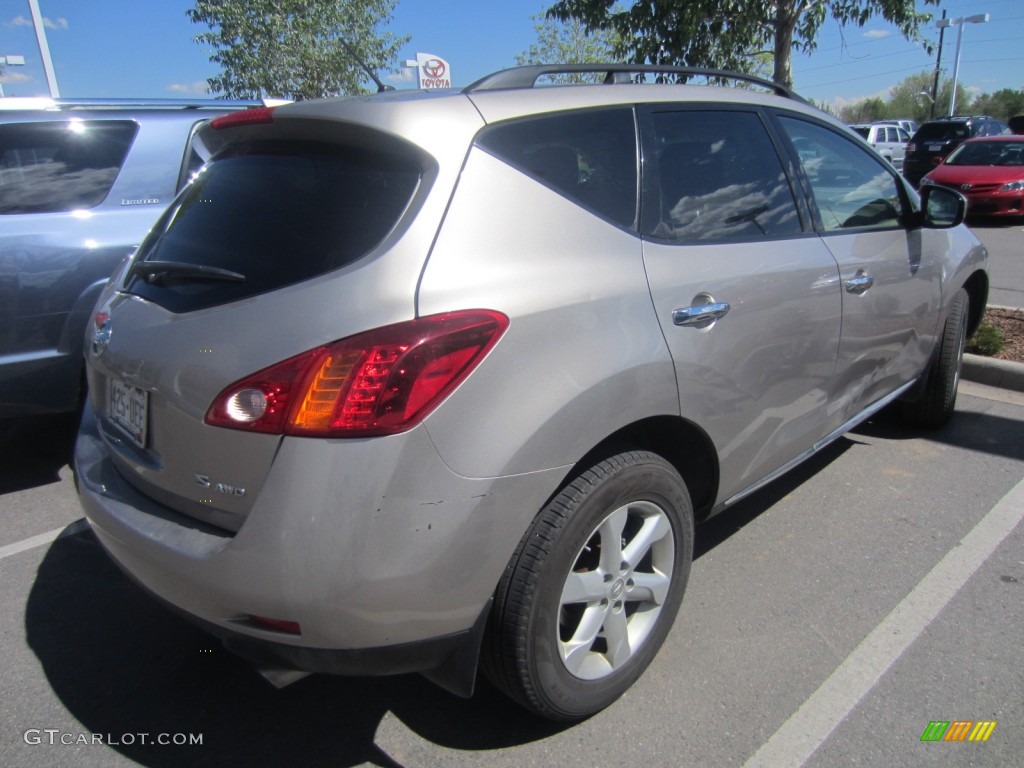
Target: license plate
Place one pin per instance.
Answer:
(935, 147)
(128, 408)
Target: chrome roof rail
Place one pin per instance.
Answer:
(526, 77)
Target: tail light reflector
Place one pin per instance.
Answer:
(380, 382)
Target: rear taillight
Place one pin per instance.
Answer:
(376, 383)
(911, 146)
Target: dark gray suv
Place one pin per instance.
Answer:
(81, 182)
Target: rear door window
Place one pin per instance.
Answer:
(57, 166)
(719, 178)
(272, 214)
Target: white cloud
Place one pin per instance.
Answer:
(200, 87)
(877, 34)
(13, 76)
(24, 21)
(404, 75)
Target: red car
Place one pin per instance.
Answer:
(989, 172)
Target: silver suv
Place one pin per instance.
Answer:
(889, 140)
(81, 182)
(405, 382)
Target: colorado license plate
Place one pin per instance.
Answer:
(128, 408)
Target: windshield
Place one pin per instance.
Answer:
(988, 153)
(864, 131)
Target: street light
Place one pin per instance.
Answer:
(979, 18)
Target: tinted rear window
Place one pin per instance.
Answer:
(942, 132)
(277, 214)
(64, 165)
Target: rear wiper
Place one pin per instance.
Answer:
(163, 272)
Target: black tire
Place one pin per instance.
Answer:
(935, 407)
(560, 656)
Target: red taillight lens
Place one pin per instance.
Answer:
(253, 116)
(911, 147)
(377, 383)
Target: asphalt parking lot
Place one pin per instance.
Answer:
(831, 619)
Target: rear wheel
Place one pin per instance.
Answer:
(593, 588)
(936, 405)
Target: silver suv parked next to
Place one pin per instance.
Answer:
(406, 381)
(81, 182)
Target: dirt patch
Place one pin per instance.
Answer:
(1011, 323)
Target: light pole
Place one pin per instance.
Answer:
(979, 18)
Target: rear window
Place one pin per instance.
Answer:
(274, 214)
(942, 132)
(58, 166)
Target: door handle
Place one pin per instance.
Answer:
(859, 283)
(701, 316)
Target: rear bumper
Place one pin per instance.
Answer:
(45, 382)
(383, 556)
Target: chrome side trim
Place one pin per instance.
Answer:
(867, 413)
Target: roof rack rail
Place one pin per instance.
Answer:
(141, 103)
(526, 77)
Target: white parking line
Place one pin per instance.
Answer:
(37, 541)
(811, 725)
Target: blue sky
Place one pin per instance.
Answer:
(144, 48)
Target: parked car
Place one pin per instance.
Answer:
(1016, 124)
(81, 182)
(937, 138)
(906, 124)
(405, 382)
(988, 172)
(890, 141)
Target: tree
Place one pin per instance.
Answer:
(726, 33)
(1003, 104)
(568, 42)
(296, 49)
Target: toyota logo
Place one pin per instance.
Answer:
(434, 68)
(966, 187)
(101, 333)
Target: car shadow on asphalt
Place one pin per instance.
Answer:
(970, 430)
(122, 664)
(34, 449)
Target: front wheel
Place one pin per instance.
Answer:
(936, 405)
(593, 588)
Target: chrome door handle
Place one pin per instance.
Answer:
(859, 284)
(702, 315)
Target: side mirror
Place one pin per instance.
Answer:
(941, 208)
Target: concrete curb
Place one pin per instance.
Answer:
(994, 373)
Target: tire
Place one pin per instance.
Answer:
(936, 405)
(575, 622)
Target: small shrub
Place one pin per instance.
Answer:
(987, 340)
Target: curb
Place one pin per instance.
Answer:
(995, 373)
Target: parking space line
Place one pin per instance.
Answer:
(37, 541)
(811, 725)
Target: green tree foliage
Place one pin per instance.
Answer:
(568, 42)
(296, 49)
(724, 34)
(911, 98)
(1003, 104)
